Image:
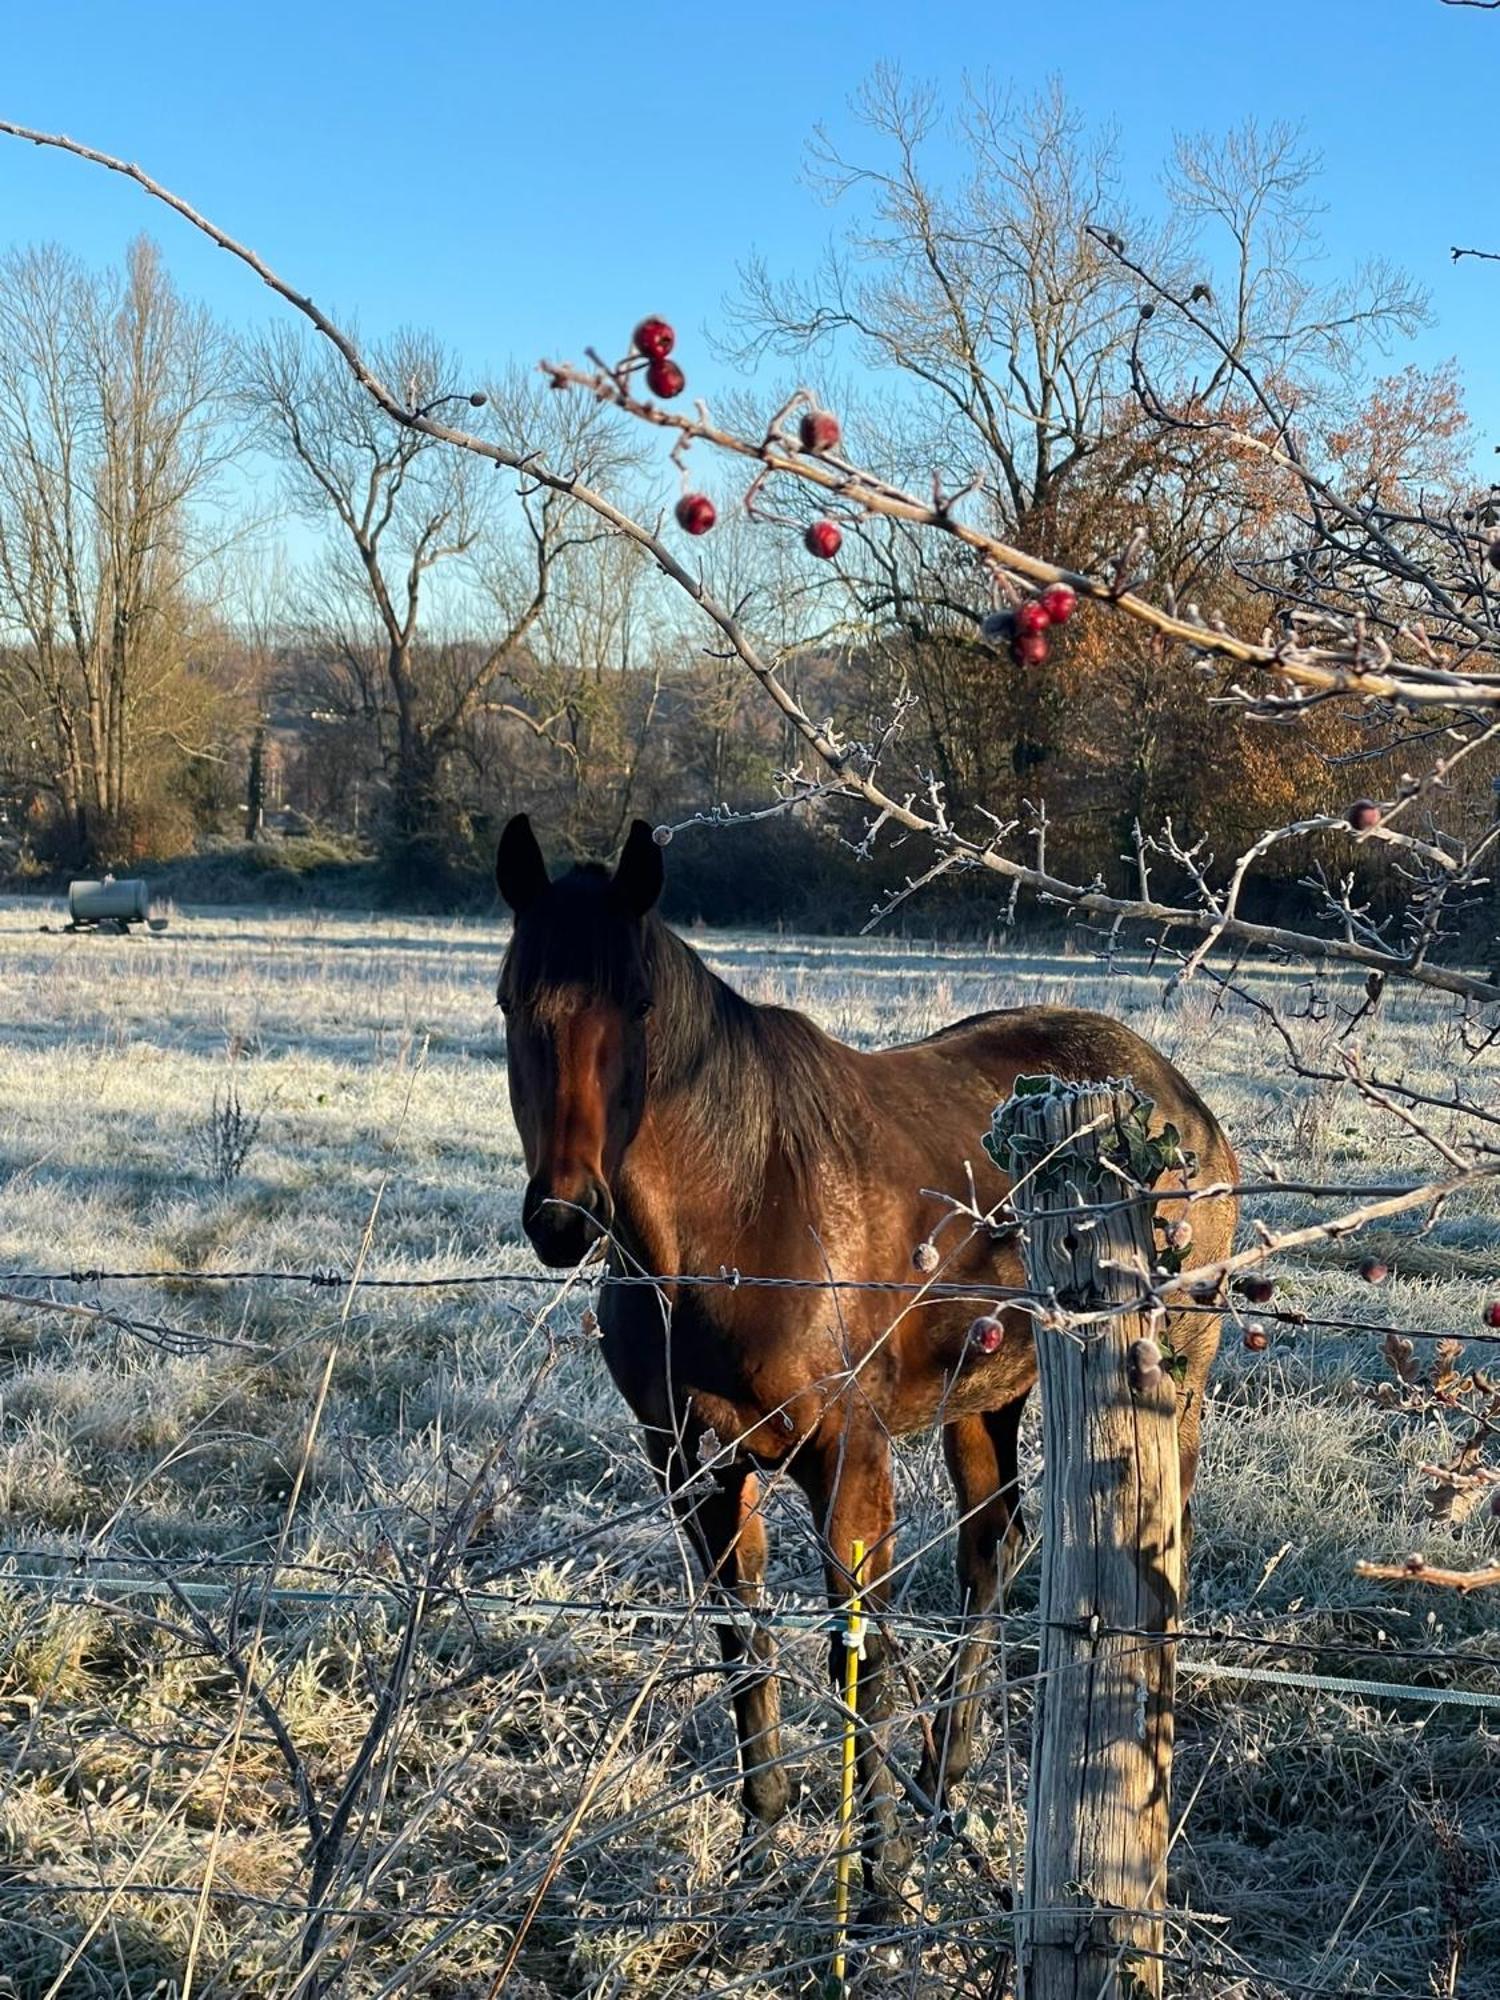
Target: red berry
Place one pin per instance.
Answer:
(1492, 1313)
(819, 431)
(655, 338)
(1028, 649)
(1143, 1365)
(823, 539)
(664, 378)
(987, 1334)
(1256, 1338)
(1256, 1288)
(1059, 601)
(1374, 1270)
(696, 513)
(1032, 616)
(1363, 814)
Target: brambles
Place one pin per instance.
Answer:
(823, 539)
(987, 1333)
(655, 337)
(696, 513)
(819, 431)
(665, 379)
(1363, 814)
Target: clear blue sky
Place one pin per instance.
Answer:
(526, 178)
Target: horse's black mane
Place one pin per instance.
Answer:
(760, 1079)
(753, 1080)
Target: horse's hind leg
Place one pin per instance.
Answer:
(721, 1512)
(1197, 1336)
(982, 1463)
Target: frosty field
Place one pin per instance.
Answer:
(484, 1680)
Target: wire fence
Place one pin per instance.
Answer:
(223, 1596)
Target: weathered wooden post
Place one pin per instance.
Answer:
(1090, 1926)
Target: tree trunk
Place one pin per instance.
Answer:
(255, 786)
(1091, 1924)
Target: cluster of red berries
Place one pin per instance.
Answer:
(819, 431)
(1024, 630)
(655, 338)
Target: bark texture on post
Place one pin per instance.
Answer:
(1091, 1925)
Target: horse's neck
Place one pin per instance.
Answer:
(699, 1163)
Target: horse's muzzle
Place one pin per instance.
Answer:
(563, 1228)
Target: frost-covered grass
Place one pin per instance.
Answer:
(1339, 1840)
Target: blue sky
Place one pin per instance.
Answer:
(529, 178)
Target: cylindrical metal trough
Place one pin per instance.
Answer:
(109, 901)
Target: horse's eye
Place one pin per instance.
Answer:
(640, 1010)
(504, 1003)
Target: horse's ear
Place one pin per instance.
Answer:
(637, 880)
(520, 871)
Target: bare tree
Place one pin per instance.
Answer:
(112, 407)
(402, 511)
(420, 654)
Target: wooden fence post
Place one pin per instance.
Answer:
(1090, 1925)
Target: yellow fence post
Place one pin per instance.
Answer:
(853, 1646)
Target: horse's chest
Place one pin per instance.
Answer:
(763, 1379)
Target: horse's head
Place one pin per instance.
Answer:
(576, 991)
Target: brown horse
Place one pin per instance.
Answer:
(695, 1131)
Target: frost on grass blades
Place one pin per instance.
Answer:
(484, 1618)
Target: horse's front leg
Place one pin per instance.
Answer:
(721, 1510)
(847, 1478)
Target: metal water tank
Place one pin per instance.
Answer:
(109, 901)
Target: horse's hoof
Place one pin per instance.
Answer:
(878, 1937)
(770, 1794)
(757, 1858)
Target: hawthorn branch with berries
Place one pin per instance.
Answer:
(1361, 663)
(1358, 661)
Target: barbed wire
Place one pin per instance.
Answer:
(918, 1290)
(160, 1581)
